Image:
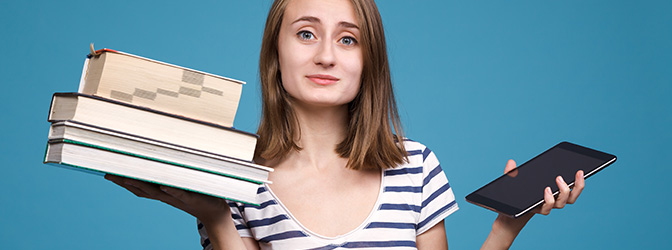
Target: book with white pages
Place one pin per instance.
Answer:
(97, 160)
(153, 124)
(158, 150)
(161, 86)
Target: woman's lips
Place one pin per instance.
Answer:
(322, 79)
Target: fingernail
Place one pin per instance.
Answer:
(560, 178)
(581, 173)
(548, 190)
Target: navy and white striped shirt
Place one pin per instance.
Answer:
(414, 197)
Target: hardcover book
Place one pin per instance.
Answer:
(153, 124)
(100, 160)
(161, 86)
(157, 150)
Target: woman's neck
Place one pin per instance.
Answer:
(322, 129)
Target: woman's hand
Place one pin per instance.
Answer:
(208, 209)
(213, 212)
(505, 229)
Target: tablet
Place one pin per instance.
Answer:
(522, 189)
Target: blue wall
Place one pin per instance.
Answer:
(479, 82)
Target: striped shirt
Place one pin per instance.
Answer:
(414, 197)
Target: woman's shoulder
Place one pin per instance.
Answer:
(410, 144)
(415, 148)
(417, 154)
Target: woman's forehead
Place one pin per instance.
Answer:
(321, 11)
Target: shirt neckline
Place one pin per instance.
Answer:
(338, 237)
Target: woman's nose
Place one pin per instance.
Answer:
(325, 54)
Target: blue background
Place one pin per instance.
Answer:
(479, 82)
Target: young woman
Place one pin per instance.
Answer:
(342, 178)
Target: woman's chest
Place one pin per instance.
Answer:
(323, 218)
(329, 206)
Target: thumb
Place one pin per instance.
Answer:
(510, 165)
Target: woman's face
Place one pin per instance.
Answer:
(319, 53)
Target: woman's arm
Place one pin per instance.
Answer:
(433, 239)
(505, 229)
(213, 212)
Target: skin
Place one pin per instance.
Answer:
(320, 58)
(321, 64)
(505, 229)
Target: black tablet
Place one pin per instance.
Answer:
(522, 189)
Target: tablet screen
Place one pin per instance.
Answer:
(524, 187)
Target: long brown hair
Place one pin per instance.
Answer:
(370, 141)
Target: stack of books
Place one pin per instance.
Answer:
(156, 122)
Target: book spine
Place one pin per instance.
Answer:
(51, 108)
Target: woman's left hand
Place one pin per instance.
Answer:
(566, 196)
(505, 229)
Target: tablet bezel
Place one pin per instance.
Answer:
(515, 212)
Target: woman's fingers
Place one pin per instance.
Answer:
(121, 182)
(177, 193)
(510, 165)
(147, 190)
(579, 184)
(177, 198)
(201, 206)
(563, 196)
(136, 191)
(549, 202)
(566, 195)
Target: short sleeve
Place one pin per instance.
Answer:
(237, 210)
(237, 214)
(438, 200)
(205, 242)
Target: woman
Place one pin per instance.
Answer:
(342, 178)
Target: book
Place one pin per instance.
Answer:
(153, 124)
(157, 150)
(161, 86)
(98, 160)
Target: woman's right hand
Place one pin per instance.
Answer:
(213, 212)
(209, 210)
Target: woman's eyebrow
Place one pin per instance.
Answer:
(313, 19)
(348, 25)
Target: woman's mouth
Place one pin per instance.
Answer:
(322, 79)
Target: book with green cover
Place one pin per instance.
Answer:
(158, 150)
(93, 159)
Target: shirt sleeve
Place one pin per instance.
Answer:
(438, 200)
(237, 214)
(205, 242)
(237, 210)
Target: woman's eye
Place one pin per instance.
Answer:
(349, 41)
(305, 35)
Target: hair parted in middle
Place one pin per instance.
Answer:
(370, 141)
